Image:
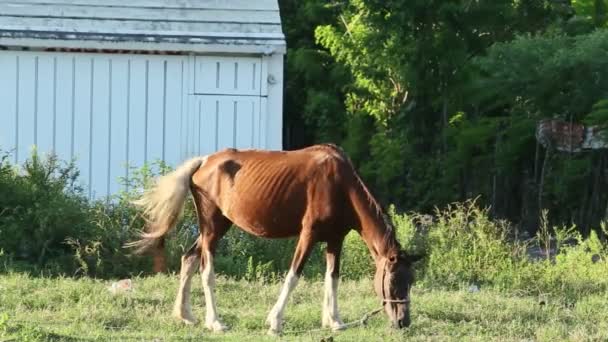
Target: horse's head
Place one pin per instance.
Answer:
(392, 282)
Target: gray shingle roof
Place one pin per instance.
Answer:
(175, 25)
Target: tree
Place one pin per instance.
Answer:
(409, 62)
(314, 102)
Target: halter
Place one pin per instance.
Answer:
(384, 299)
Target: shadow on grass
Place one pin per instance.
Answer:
(28, 332)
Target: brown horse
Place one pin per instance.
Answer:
(313, 193)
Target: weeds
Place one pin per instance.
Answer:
(65, 309)
(46, 225)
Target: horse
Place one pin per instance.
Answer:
(313, 193)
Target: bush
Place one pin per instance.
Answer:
(241, 255)
(578, 270)
(77, 237)
(100, 252)
(47, 225)
(39, 208)
(464, 247)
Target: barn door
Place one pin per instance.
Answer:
(218, 122)
(228, 75)
(226, 105)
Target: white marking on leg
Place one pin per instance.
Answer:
(212, 321)
(275, 317)
(331, 317)
(182, 308)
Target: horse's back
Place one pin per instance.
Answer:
(269, 193)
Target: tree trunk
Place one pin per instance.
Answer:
(542, 181)
(594, 197)
(445, 124)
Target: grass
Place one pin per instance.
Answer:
(66, 309)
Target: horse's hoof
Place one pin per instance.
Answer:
(216, 326)
(186, 319)
(275, 324)
(273, 332)
(338, 326)
(334, 325)
(190, 321)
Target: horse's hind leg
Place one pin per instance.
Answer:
(331, 317)
(190, 260)
(211, 234)
(305, 244)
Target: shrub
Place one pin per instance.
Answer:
(39, 208)
(241, 255)
(100, 252)
(465, 246)
(578, 269)
(47, 225)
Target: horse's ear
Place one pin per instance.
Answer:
(412, 258)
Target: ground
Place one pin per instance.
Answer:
(66, 309)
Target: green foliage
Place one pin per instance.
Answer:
(598, 115)
(411, 67)
(593, 11)
(464, 246)
(242, 255)
(356, 261)
(438, 101)
(551, 76)
(100, 252)
(462, 243)
(578, 269)
(40, 206)
(86, 238)
(48, 225)
(531, 78)
(4, 322)
(314, 107)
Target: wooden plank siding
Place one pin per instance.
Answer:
(116, 84)
(111, 111)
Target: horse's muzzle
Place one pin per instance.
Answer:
(401, 323)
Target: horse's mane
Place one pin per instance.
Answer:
(390, 238)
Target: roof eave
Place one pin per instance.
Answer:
(151, 43)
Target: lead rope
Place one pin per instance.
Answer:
(363, 320)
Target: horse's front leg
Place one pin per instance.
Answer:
(275, 317)
(331, 317)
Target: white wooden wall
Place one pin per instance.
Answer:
(109, 111)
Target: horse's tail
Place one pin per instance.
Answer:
(163, 204)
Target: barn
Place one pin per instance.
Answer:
(115, 84)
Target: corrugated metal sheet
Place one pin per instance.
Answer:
(109, 111)
(569, 136)
(180, 25)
